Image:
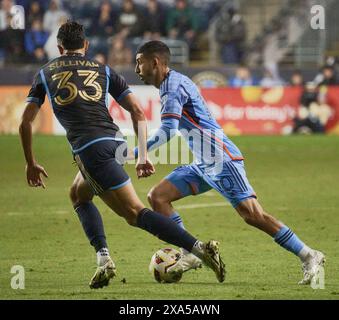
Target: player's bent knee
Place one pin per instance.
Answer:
(251, 216)
(156, 199)
(76, 197)
(150, 198)
(73, 194)
(153, 197)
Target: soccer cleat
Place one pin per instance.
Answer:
(176, 271)
(311, 267)
(212, 259)
(189, 261)
(186, 262)
(103, 274)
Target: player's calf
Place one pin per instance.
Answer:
(124, 202)
(160, 198)
(93, 227)
(253, 214)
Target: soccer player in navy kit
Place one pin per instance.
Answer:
(78, 89)
(218, 163)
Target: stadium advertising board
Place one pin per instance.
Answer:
(248, 110)
(12, 105)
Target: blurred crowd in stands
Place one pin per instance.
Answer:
(115, 28)
(243, 77)
(111, 26)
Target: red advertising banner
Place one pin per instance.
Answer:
(263, 111)
(332, 99)
(248, 110)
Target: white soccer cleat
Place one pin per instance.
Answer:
(311, 267)
(103, 275)
(189, 261)
(176, 270)
(211, 258)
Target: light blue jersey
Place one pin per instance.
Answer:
(218, 162)
(181, 99)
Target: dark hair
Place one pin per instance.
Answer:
(155, 47)
(71, 35)
(327, 67)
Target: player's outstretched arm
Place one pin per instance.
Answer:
(33, 169)
(144, 166)
(166, 132)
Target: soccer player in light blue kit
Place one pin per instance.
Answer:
(218, 162)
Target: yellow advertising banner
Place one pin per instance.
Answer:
(12, 105)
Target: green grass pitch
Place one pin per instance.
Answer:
(296, 179)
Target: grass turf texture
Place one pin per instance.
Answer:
(296, 179)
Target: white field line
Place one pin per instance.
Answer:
(15, 213)
(203, 205)
(183, 206)
(18, 213)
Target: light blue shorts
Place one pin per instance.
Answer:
(231, 182)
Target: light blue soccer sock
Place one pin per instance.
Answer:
(288, 240)
(177, 219)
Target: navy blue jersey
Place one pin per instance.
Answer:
(78, 89)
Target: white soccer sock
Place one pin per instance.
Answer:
(305, 253)
(184, 251)
(102, 256)
(198, 249)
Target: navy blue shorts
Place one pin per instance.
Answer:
(101, 164)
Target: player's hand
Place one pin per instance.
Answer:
(33, 174)
(144, 168)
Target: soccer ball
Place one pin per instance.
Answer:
(161, 261)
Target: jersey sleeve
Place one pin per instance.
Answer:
(37, 92)
(168, 129)
(172, 104)
(117, 86)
